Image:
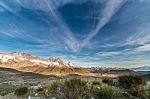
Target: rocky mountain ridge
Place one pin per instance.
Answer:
(51, 66)
(7, 58)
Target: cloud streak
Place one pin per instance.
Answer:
(70, 40)
(47, 6)
(108, 12)
(51, 6)
(107, 54)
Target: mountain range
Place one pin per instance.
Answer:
(54, 66)
(15, 57)
(49, 66)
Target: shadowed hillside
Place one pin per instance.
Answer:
(17, 77)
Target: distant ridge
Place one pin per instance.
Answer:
(143, 68)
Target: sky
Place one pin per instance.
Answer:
(101, 33)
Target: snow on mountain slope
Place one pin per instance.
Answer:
(21, 57)
(6, 57)
(40, 61)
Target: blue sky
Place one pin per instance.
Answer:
(108, 33)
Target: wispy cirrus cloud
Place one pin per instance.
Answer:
(49, 7)
(2, 9)
(144, 48)
(141, 35)
(112, 6)
(108, 12)
(139, 40)
(107, 54)
(70, 40)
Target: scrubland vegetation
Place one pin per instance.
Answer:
(123, 87)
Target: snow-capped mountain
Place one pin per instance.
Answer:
(51, 66)
(23, 57)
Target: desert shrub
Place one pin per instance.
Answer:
(108, 81)
(107, 92)
(52, 89)
(6, 89)
(133, 83)
(21, 91)
(128, 81)
(74, 89)
(147, 92)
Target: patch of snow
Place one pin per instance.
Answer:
(55, 64)
(6, 57)
(41, 61)
(70, 64)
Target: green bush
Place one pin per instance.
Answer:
(75, 83)
(133, 83)
(147, 92)
(130, 81)
(107, 92)
(108, 81)
(52, 89)
(21, 91)
(74, 89)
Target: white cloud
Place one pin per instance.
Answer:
(108, 54)
(139, 40)
(144, 48)
(140, 36)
